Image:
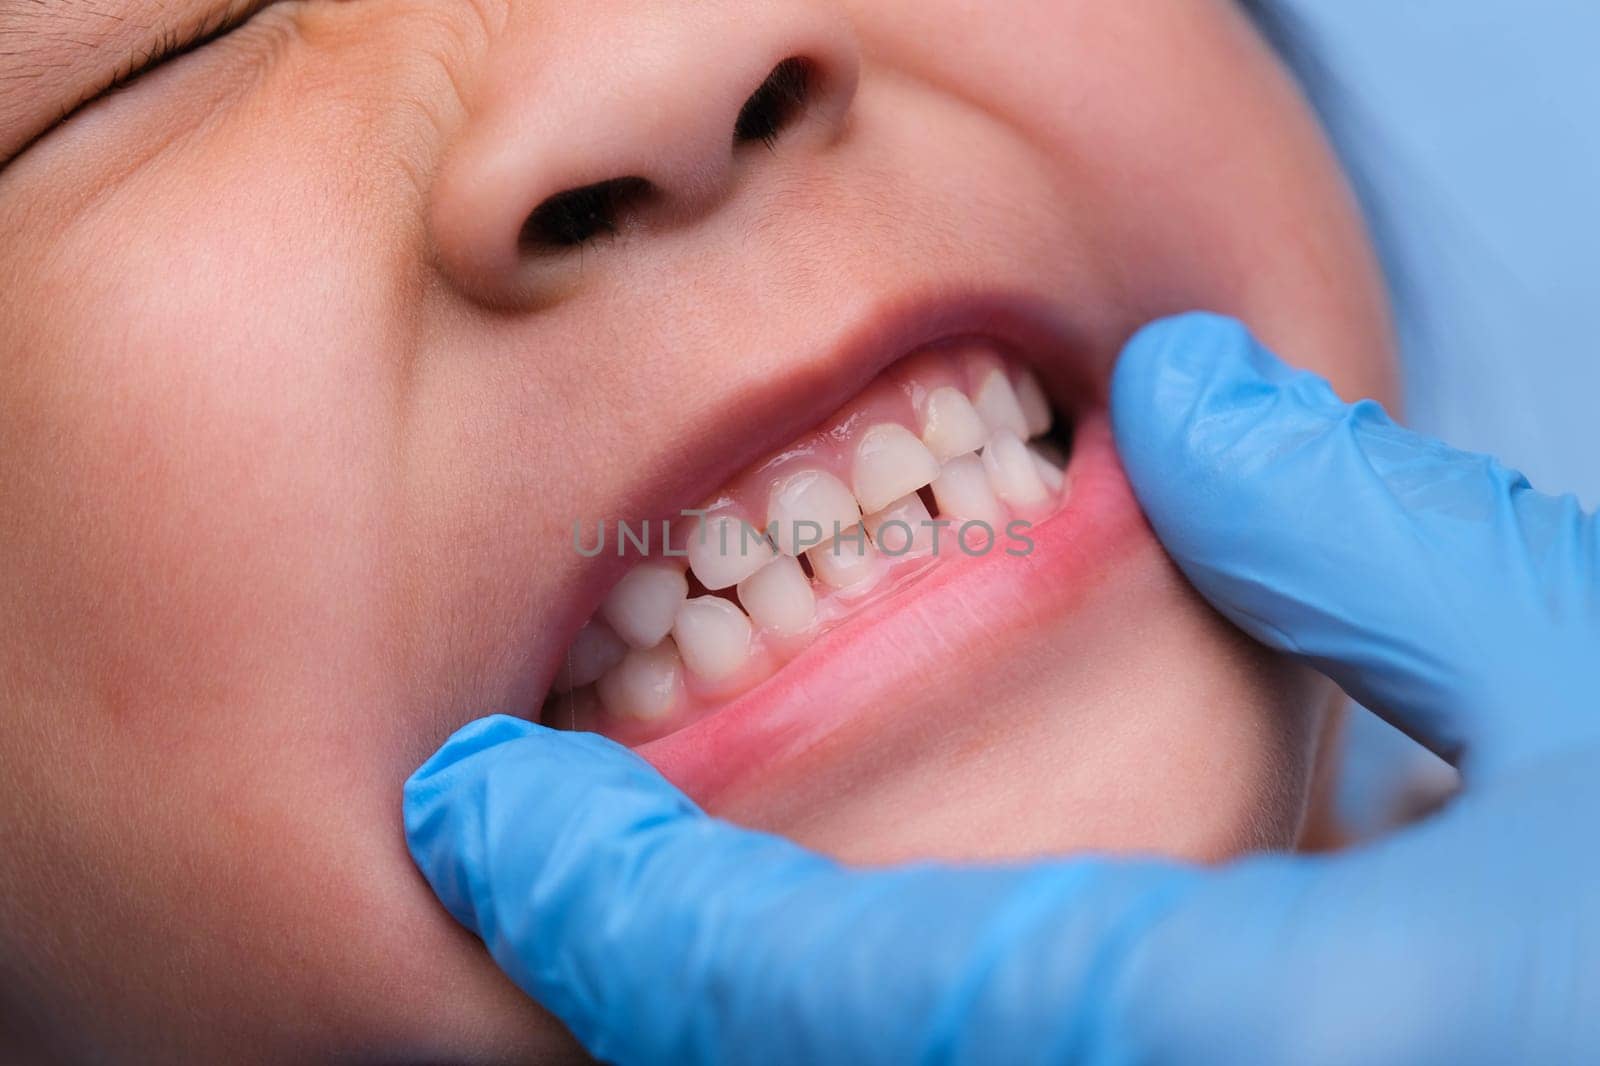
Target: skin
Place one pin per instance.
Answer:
(292, 436)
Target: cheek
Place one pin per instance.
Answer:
(197, 450)
(1221, 193)
(1170, 125)
(201, 456)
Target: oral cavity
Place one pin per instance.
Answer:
(952, 453)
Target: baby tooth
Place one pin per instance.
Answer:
(779, 597)
(849, 561)
(594, 650)
(1011, 472)
(645, 602)
(1035, 405)
(645, 685)
(1052, 475)
(724, 550)
(713, 636)
(902, 530)
(951, 426)
(808, 508)
(997, 403)
(890, 462)
(963, 492)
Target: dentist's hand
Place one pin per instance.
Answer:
(1433, 585)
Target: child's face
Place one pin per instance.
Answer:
(294, 430)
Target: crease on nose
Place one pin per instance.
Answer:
(635, 118)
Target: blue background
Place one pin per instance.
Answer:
(1472, 130)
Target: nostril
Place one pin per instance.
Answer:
(775, 103)
(577, 216)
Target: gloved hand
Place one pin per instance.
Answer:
(1433, 585)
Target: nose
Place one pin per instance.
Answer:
(588, 119)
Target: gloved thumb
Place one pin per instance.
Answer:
(660, 934)
(599, 888)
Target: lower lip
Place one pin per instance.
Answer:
(852, 675)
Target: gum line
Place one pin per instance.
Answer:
(844, 517)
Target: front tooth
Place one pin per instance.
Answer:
(645, 685)
(1035, 405)
(724, 550)
(645, 602)
(848, 562)
(713, 636)
(1049, 472)
(963, 492)
(911, 534)
(997, 403)
(808, 508)
(1011, 472)
(779, 597)
(951, 426)
(890, 462)
(594, 650)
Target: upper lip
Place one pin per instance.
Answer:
(792, 402)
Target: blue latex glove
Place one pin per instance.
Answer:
(1431, 584)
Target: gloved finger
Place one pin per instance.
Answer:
(1432, 584)
(599, 888)
(659, 934)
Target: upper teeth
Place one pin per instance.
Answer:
(809, 508)
(998, 405)
(951, 426)
(890, 463)
(645, 603)
(724, 550)
(594, 650)
(1035, 406)
(654, 648)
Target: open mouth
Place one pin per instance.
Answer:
(952, 454)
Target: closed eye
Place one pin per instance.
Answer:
(170, 45)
